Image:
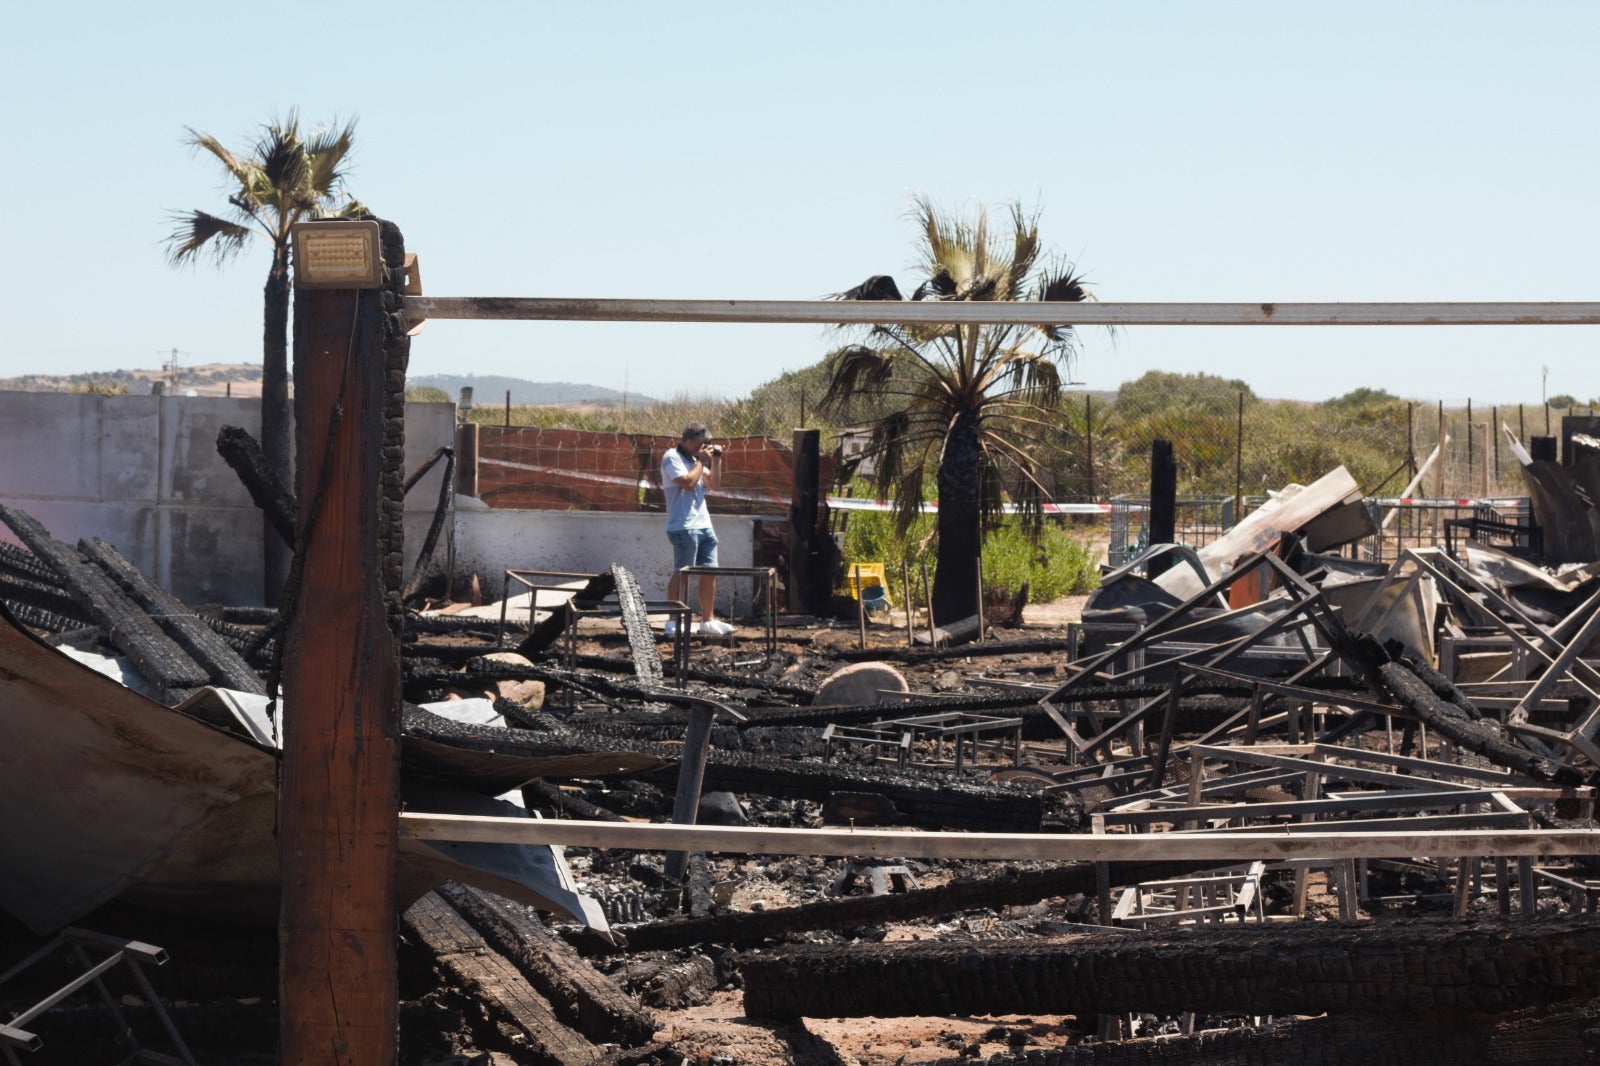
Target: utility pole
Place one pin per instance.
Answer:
(170, 369)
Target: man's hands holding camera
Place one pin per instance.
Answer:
(713, 450)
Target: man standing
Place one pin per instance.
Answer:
(685, 477)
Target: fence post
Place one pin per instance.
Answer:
(1438, 472)
(1088, 440)
(1238, 466)
(1470, 468)
(1411, 443)
(1483, 446)
(1494, 432)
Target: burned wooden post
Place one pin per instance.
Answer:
(467, 434)
(810, 582)
(1163, 501)
(339, 797)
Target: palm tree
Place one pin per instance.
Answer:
(970, 399)
(282, 179)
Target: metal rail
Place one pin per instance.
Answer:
(1012, 312)
(1060, 847)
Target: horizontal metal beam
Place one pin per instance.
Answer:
(1076, 847)
(1019, 312)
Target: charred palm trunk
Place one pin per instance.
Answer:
(275, 418)
(955, 585)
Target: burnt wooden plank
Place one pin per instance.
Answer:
(744, 928)
(128, 628)
(582, 997)
(641, 640)
(1491, 966)
(463, 957)
(225, 665)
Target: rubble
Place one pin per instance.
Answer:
(1261, 687)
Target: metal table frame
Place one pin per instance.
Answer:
(767, 574)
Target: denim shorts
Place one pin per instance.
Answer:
(693, 547)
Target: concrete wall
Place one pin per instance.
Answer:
(142, 472)
(489, 542)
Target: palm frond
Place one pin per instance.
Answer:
(1036, 376)
(1062, 283)
(325, 154)
(282, 158)
(1024, 249)
(354, 209)
(939, 286)
(204, 142)
(855, 369)
(877, 287)
(197, 231)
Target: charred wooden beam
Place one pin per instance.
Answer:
(543, 634)
(23, 563)
(927, 801)
(923, 654)
(225, 665)
(1418, 693)
(430, 540)
(1477, 736)
(635, 622)
(25, 591)
(582, 997)
(56, 624)
(745, 928)
(1557, 1034)
(464, 957)
(568, 803)
(1305, 968)
(128, 628)
(241, 452)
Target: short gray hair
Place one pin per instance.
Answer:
(695, 431)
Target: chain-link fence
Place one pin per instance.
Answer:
(1095, 447)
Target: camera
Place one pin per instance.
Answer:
(714, 450)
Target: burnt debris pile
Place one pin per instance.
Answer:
(1280, 795)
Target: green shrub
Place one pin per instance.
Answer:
(1061, 564)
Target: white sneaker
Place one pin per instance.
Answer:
(713, 628)
(672, 627)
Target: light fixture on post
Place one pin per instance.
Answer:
(338, 255)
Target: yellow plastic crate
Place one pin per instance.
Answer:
(870, 574)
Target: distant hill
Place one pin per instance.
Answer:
(491, 389)
(244, 379)
(205, 379)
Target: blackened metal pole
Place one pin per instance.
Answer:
(1163, 502)
(691, 774)
(861, 607)
(1238, 466)
(339, 797)
(805, 570)
(905, 589)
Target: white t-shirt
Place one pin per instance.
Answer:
(686, 508)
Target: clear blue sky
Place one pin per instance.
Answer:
(1223, 151)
